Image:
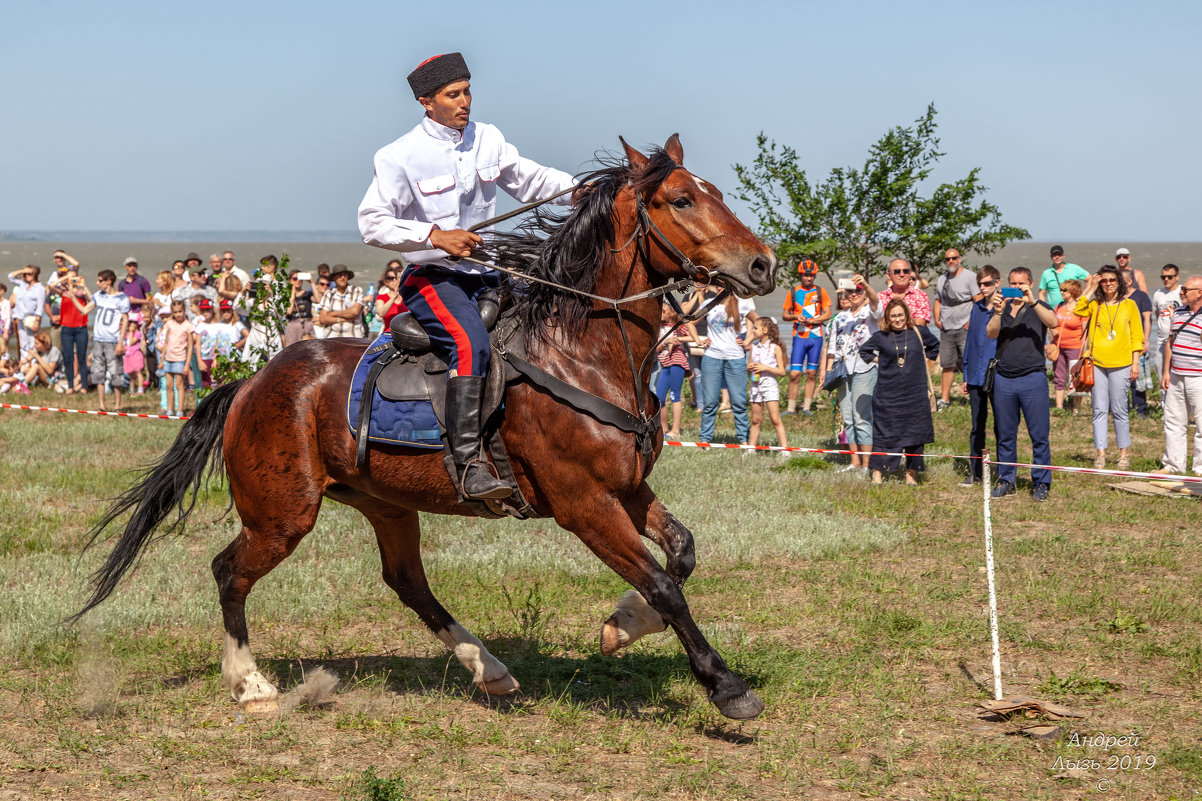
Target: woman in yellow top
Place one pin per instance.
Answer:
(1116, 338)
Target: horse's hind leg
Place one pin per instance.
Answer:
(634, 618)
(266, 539)
(398, 535)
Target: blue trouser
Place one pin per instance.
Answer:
(1109, 397)
(731, 373)
(978, 402)
(854, 397)
(669, 383)
(1026, 395)
(445, 303)
(75, 344)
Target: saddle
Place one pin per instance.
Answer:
(405, 374)
(406, 371)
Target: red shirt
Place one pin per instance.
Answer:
(69, 314)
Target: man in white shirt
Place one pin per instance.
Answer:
(108, 334)
(430, 185)
(1164, 302)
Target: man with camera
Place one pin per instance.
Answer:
(1020, 323)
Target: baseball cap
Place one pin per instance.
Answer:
(199, 269)
(130, 260)
(226, 304)
(846, 285)
(204, 303)
(1057, 250)
(1122, 252)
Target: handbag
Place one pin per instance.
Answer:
(1081, 372)
(990, 372)
(835, 376)
(32, 322)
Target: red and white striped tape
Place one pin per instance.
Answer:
(845, 452)
(91, 411)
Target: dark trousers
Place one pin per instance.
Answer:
(75, 344)
(1027, 396)
(444, 302)
(978, 402)
(1139, 401)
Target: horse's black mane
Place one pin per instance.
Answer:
(569, 248)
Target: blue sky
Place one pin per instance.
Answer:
(220, 116)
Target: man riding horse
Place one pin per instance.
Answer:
(430, 185)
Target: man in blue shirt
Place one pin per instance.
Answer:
(978, 350)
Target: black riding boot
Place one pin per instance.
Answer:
(463, 432)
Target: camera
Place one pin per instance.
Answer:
(304, 276)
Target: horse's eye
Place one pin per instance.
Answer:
(682, 203)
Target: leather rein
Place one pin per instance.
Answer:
(644, 426)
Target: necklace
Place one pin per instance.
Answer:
(1110, 313)
(902, 351)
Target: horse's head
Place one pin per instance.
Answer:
(686, 223)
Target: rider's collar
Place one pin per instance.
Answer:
(439, 131)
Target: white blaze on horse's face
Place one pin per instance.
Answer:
(700, 183)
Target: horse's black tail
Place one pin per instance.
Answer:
(173, 481)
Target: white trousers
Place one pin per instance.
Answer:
(1182, 402)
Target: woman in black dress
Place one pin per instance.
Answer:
(901, 411)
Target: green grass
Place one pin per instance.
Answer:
(856, 612)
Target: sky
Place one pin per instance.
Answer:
(123, 116)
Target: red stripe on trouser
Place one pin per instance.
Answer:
(463, 343)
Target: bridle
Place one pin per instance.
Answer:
(645, 230)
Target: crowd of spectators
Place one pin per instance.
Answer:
(873, 351)
(136, 334)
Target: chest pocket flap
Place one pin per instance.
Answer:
(433, 186)
(490, 173)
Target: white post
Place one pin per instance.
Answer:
(997, 654)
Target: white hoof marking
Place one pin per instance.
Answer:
(632, 620)
(483, 666)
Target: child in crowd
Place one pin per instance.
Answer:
(766, 364)
(213, 339)
(10, 379)
(133, 361)
(176, 350)
(674, 366)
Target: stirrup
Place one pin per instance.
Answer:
(490, 488)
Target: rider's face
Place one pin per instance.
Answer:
(451, 105)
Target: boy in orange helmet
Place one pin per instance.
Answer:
(808, 307)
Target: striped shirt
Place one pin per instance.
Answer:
(675, 355)
(1187, 343)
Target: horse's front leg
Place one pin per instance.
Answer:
(605, 526)
(634, 618)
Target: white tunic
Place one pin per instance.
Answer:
(435, 175)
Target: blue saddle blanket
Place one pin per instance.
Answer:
(410, 423)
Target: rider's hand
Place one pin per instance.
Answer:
(456, 242)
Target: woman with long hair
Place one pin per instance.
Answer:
(1115, 338)
(901, 410)
(724, 364)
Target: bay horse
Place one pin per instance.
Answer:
(282, 434)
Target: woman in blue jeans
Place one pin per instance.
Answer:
(724, 364)
(853, 327)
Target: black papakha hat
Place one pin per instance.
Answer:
(436, 72)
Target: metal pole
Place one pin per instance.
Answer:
(986, 480)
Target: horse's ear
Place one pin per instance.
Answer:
(637, 160)
(674, 150)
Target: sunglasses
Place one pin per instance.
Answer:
(899, 272)
(1167, 276)
(323, 283)
(1108, 281)
(1123, 256)
(986, 283)
(857, 291)
(391, 277)
(951, 258)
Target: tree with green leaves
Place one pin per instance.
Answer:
(857, 219)
(268, 302)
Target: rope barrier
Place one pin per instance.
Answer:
(90, 411)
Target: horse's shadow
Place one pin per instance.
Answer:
(632, 685)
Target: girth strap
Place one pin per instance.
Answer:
(644, 429)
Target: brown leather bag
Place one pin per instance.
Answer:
(1082, 371)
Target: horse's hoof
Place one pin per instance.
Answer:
(611, 636)
(741, 707)
(261, 707)
(506, 685)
